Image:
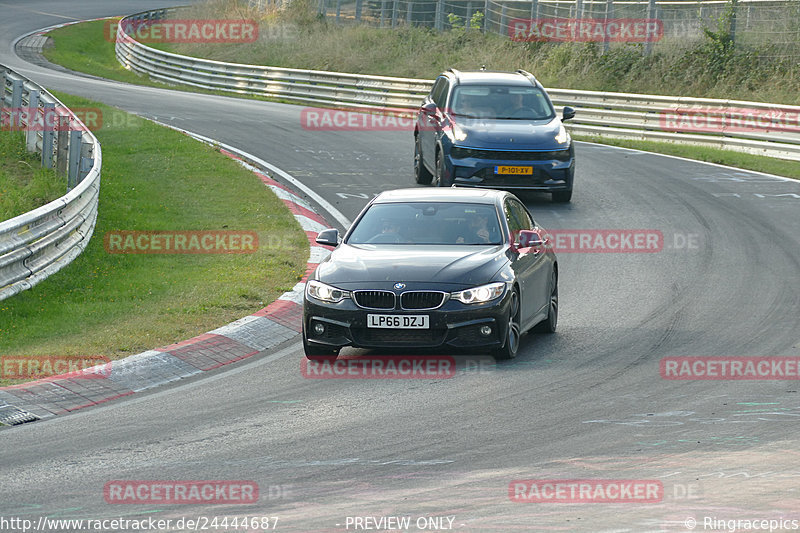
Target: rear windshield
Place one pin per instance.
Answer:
(440, 223)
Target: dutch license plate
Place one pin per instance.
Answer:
(398, 321)
(508, 169)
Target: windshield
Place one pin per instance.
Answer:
(501, 102)
(440, 223)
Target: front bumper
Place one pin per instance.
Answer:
(555, 174)
(453, 325)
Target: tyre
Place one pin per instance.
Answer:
(421, 174)
(562, 197)
(438, 178)
(548, 325)
(513, 332)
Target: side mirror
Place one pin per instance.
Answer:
(567, 113)
(530, 239)
(429, 108)
(328, 237)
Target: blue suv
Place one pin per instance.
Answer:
(493, 129)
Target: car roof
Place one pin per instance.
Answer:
(444, 194)
(488, 77)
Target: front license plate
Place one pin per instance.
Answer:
(506, 169)
(398, 321)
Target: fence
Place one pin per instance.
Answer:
(41, 242)
(774, 24)
(756, 128)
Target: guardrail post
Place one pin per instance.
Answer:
(534, 9)
(359, 4)
(338, 10)
(383, 12)
(87, 160)
(62, 152)
(579, 9)
(16, 93)
(504, 18)
(486, 14)
(49, 120)
(30, 132)
(394, 13)
(439, 20)
(74, 160)
(409, 12)
(468, 17)
(16, 104)
(4, 79)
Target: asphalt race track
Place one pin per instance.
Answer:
(586, 403)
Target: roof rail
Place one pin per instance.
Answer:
(455, 73)
(527, 75)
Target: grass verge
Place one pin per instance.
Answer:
(708, 64)
(82, 47)
(115, 305)
(24, 184)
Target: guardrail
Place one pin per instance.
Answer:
(763, 129)
(41, 242)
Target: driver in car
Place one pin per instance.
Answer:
(516, 105)
(478, 231)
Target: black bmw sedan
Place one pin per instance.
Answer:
(446, 268)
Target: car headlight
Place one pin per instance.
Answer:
(326, 293)
(563, 136)
(481, 294)
(458, 133)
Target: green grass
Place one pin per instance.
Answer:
(701, 66)
(84, 48)
(24, 184)
(759, 163)
(115, 305)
